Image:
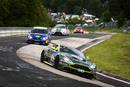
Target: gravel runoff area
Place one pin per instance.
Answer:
(31, 54)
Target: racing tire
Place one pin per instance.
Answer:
(41, 43)
(50, 40)
(90, 76)
(29, 42)
(42, 56)
(56, 61)
(47, 44)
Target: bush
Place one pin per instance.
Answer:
(75, 21)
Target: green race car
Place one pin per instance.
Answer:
(68, 59)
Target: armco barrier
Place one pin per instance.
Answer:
(13, 32)
(8, 31)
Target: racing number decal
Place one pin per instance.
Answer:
(51, 55)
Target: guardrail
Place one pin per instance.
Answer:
(8, 31)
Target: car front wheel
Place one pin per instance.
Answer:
(42, 56)
(56, 61)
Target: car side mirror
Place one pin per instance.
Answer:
(88, 57)
(53, 48)
(49, 33)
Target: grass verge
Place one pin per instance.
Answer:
(112, 55)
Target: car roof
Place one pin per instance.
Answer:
(60, 25)
(78, 27)
(45, 28)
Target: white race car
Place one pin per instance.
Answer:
(60, 29)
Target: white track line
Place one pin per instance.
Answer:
(113, 78)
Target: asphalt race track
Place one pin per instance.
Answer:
(15, 72)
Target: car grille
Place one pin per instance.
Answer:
(80, 67)
(58, 30)
(37, 38)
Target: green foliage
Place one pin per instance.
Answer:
(106, 16)
(95, 7)
(52, 23)
(22, 13)
(75, 6)
(77, 10)
(119, 9)
(120, 19)
(3, 11)
(75, 21)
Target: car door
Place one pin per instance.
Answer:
(51, 55)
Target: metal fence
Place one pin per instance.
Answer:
(8, 31)
(110, 24)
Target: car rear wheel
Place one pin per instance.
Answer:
(29, 42)
(56, 61)
(47, 43)
(90, 76)
(42, 56)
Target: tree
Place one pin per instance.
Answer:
(75, 6)
(3, 11)
(106, 16)
(77, 10)
(75, 21)
(22, 13)
(119, 9)
(95, 7)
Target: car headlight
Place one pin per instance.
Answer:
(81, 30)
(53, 30)
(29, 36)
(44, 38)
(93, 66)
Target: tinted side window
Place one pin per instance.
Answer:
(39, 31)
(66, 50)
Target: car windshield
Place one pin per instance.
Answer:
(39, 31)
(73, 51)
(78, 28)
(60, 27)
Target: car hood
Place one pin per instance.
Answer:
(78, 60)
(58, 29)
(77, 29)
(38, 35)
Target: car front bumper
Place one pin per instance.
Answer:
(79, 71)
(38, 40)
